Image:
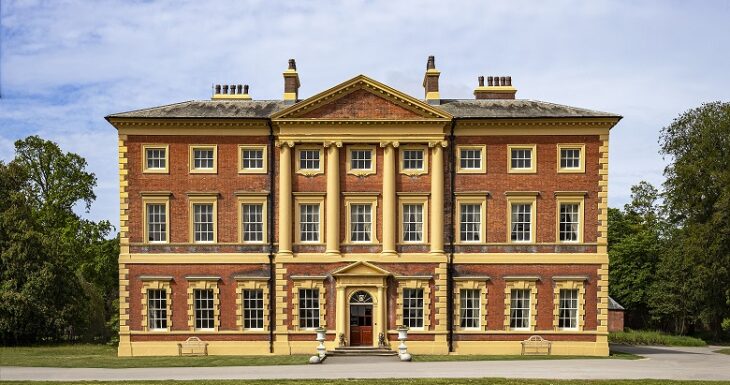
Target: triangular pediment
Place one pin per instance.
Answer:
(361, 98)
(361, 269)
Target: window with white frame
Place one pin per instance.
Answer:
(519, 310)
(470, 159)
(253, 308)
(253, 222)
(309, 222)
(361, 222)
(413, 308)
(569, 222)
(252, 158)
(308, 308)
(203, 222)
(470, 311)
(309, 159)
(521, 222)
(570, 158)
(203, 158)
(157, 309)
(470, 222)
(521, 158)
(203, 307)
(156, 222)
(413, 159)
(413, 222)
(568, 310)
(156, 158)
(361, 159)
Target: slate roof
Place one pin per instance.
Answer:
(613, 305)
(459, 108)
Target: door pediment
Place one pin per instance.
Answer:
(361, 98)
(361, 269)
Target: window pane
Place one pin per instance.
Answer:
(253, 222)
(471, 223)
(203, 222)
(568, 309)
(471, 159)
(157, 309)
(252, 158)
(521, 222)
(569, 222)
(156, 222)
(309, 223)
(519, 309)
(360, 222)
(253, 309)
(413, 159)
(413, 308)
(204, 313)
(309, 308)
(203, 158)
(156, 158)
(521, 158)
(361, 159)
(470, 311)
(570, 158)
(413, 223)
(309, 159)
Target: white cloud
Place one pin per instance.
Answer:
(67, 64)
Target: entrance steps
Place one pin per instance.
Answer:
(361, 351)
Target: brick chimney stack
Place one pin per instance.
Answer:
(291, 83)
(431, 82)
(498, 87)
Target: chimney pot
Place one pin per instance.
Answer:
(509, 81)
(481, 81)
(503, 81)
(232, 89)
(239, 89)
(292, 64)
(225, 88)
(217, 89)
(245, 89)
(431, 63)
(490, 81)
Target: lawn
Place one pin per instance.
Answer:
(103, 356)
(429, 381)
(723, 351)
(645, 337)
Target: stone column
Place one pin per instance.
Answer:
(340, 314)
(333, 199)
(382, 326)
(390, 210)
(437, 198)
(285, 199)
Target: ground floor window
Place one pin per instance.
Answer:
(309, 308)
(470, 313)
(204, 313)
(413, 308)
(253, 309)
(157, 309)
(519, 309)
(568, 311)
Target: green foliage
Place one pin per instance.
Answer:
(643, 337)
(58, 271)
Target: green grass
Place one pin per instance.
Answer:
(420, 381)
(723, 351)
(614, 355)
(103, 356)
(643, 337)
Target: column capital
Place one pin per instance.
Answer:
(442, 143)
(284, 143)
(331, 143)
(392, 143)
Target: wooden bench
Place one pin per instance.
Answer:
(193, 346)
(536, 345)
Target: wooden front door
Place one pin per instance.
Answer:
(361, 325)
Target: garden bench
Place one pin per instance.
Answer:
(193, 346)
(536, 345)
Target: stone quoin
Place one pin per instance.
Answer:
(476, 223)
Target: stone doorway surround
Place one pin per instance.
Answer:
(361, 276)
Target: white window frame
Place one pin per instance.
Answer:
(244, 309)
(203, 170)
(471, 199)
(512, 308)
(407, 306)
(203, 199)
(251, 170)
(575, 310)
(196, 309)
(359, 199)
(401, 159)
(309, 322)
(482, 160)
(570, 197)
(308, 199)
(361, 171)
(308, 171)
(252, 199)
(581, 147)
(476, 311)
(533, 159)
(413, 200)
(520, 199)
(155, 170)
(157, 313)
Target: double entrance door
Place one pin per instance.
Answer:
(361, 319)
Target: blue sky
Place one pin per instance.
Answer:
(67, 64)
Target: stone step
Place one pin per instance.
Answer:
(361, 351)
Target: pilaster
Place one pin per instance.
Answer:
(285, 198)
(389, 198)
(333, 198)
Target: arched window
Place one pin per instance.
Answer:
(361, 297)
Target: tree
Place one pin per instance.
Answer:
(697, 194)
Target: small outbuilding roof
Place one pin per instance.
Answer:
(613, 305)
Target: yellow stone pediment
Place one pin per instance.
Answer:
(361, 269)
(361, 98)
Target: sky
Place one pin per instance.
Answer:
(66, 64)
